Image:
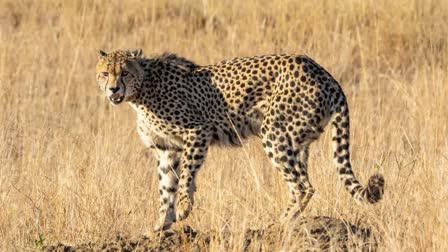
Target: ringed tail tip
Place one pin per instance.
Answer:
(375, 188)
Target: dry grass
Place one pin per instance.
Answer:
(73, 169)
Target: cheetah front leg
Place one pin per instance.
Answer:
(193, 156)
(168, 169)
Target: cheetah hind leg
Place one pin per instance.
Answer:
(292, 164)
(305, 191)
(305, 187)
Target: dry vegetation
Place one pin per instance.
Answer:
(72, 167)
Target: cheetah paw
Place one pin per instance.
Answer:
(162, 227)
(183, 208)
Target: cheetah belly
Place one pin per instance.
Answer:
(236, 128)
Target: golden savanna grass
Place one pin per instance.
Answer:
(73, 169)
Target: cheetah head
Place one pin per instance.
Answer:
(119, 74)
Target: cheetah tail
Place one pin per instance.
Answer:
(340, 137)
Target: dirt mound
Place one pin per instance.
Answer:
(310, 233)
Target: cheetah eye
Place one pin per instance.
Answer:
(105, 74)
(124, 73)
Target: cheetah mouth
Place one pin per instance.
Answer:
(116, 99)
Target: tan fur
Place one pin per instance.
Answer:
(182, 108)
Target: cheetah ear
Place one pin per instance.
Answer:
(102, 54)
(137, 53)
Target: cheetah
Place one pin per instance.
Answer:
(183, 108)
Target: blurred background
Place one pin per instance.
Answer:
(72, 168)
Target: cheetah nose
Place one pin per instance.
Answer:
(114, 89)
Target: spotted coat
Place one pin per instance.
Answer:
(183, 108)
